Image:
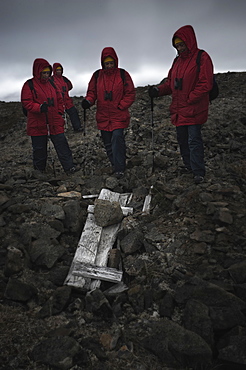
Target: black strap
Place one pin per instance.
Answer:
(30, 83)
(65, 79)
(198, 59)
(52, 82)
(122, 74)
(96, 74)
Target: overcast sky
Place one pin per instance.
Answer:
(74, 32)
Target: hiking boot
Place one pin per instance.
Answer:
(72, 170)
(119, 175)
(198, 179)
(185, 170)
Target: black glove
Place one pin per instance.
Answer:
(85, 104)
(44, 107)
(153, 91)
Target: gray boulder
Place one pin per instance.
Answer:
(175, 346)
(107, 213)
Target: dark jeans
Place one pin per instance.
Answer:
(74, 117)
(191, 148)
(39, 146)
(114, 142)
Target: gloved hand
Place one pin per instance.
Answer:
(85, 104)
(44, 107)
(153, 91)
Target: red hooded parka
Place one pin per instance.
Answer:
(111, 114)
(64, 85)
(190, 104)
(32, 100)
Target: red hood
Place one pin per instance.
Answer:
(109, 52)
(38, 66)
(55, 65)
(187, 34)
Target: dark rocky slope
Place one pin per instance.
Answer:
(184, 264)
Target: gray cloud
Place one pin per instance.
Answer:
(74, 33)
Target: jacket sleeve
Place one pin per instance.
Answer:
(27, 99)
(129, 93)
(91, 94)
(205, 80)
(165, 87)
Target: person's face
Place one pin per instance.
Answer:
(181, 47)
(45, 75)
(59, 72)
(109, 65)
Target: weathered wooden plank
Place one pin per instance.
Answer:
(147, 201)
(89, 241)
(146, 206)
(108, 238)
(123, 199)
(97, 272)
(125, 210)
(73, 280)
(107, 194)
(89, 196)
(95, 243)
(109, 233)
(87, 249)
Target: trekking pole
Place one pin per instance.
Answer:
(152, 130)
(66, 123)
(84, 120)
(49, 146)
(84, 143)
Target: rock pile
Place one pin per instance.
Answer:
(183, 301)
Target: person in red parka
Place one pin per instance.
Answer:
(190, 98)
(44, 105)
(114, 92)
(65, 85)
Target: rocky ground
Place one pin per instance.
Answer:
(184, 301)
